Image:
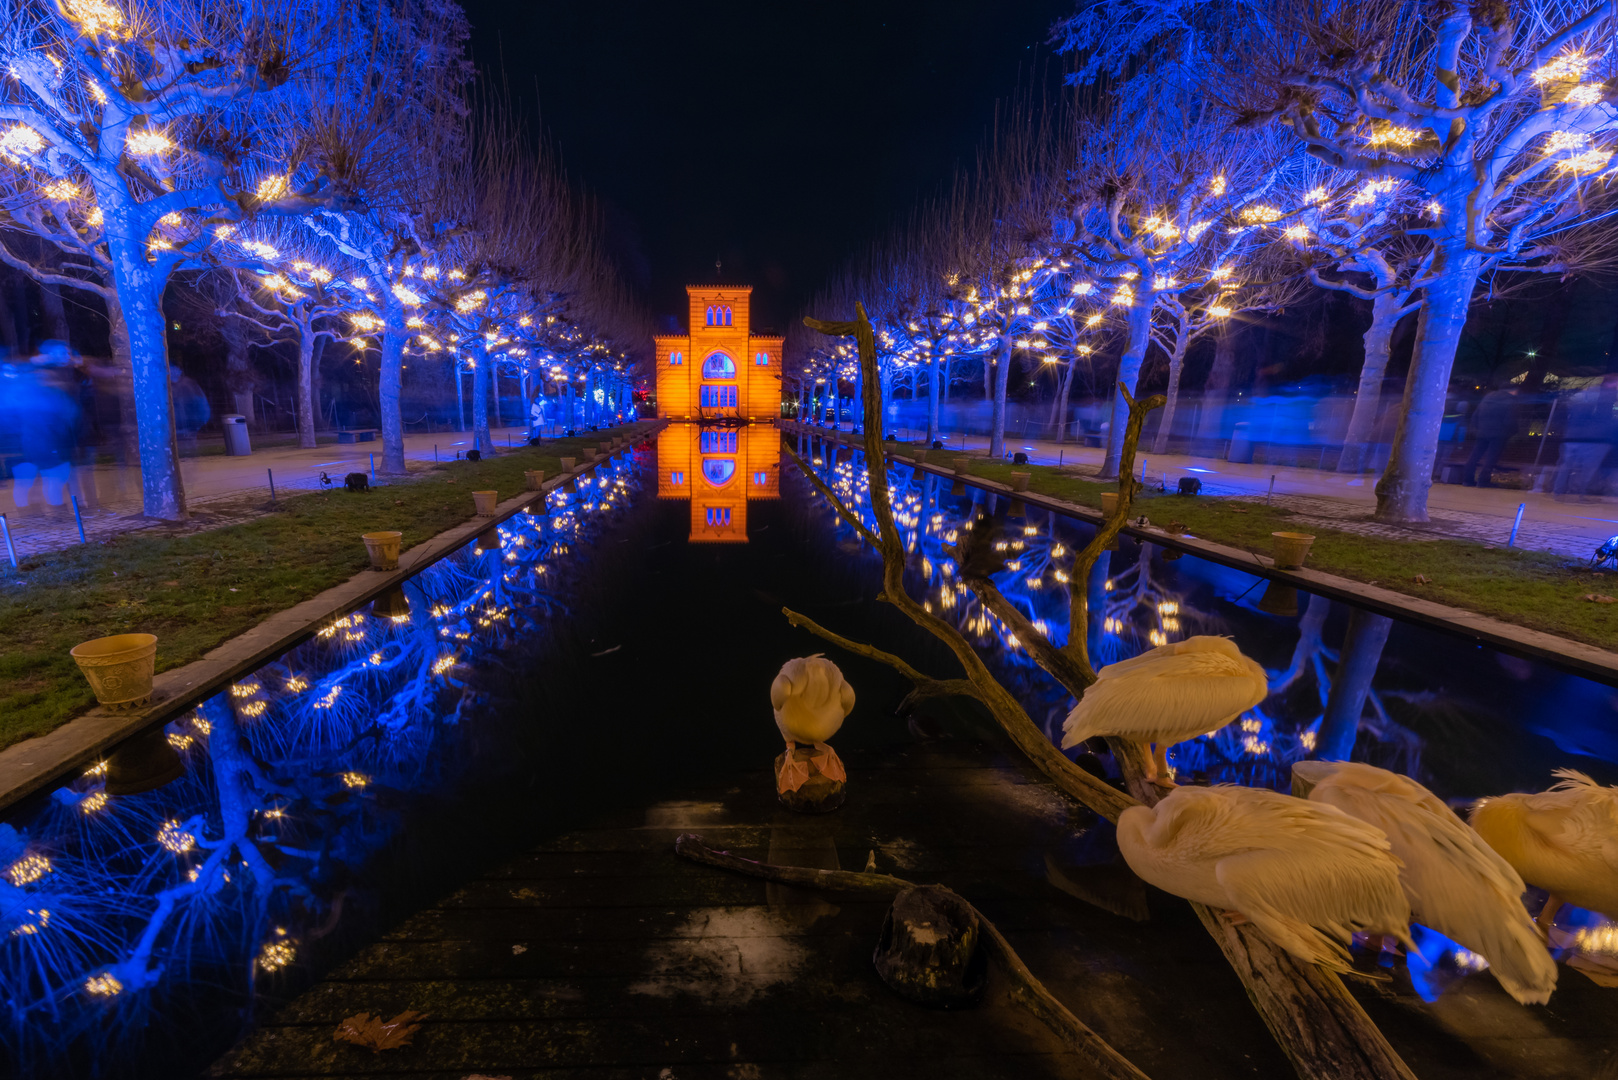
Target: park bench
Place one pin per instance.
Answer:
(358, 435)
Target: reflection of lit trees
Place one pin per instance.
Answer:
(1131, 610)
(112, 906)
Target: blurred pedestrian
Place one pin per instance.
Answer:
(1590, 430)
(191, 410)
(1494, 421)
(45, 400)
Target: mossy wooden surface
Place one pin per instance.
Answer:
(199, 590)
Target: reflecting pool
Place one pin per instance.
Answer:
(607, 651)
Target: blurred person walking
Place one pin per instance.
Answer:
(191, 410)
(1494, 421)
(46, 404)
(1591, 426)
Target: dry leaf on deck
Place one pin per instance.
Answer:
(369, 1031)
(1422, 579)
(1597, 598)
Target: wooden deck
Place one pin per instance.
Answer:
(601, 954)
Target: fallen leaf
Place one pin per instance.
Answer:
(1237, 510)
(518, 950)
(1597, 598)
(235, 590)
(363, 1029)
(172, 584)
(1371, 582)
(1422, 579)
(398, 502)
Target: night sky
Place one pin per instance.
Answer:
(777, 137)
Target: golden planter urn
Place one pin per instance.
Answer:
(119, 668)
(535, 478)
(1109, 503)
(1019, 481)
(383, 548)
(1291, 549)
(484, 502)
(568, 464)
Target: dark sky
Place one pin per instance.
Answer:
(776, 136)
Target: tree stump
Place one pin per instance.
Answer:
(820, 794)
(929, 950)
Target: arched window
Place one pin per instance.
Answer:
(676, 478)
(718, 366)
(676, 359)
(762, 359)
(727, 316)
(718, 471)
(710, 316)
(718, 515)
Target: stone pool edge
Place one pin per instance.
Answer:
(1562, 653)
(41, 762)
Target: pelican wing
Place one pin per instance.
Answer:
(1166, 693)
(1455, 882)
(1311, 902)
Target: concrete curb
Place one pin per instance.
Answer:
(43, 762)
(1565, 654)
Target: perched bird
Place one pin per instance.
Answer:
(1564, 840)
(1167, 695)
(1306, 874)
(1455, 883)
(810, 700)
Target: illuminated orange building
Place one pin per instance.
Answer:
(719, 469)
(719, 370)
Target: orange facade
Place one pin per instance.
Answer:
(719, 370)
(719, 469)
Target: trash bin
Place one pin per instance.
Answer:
(1241, 445)
(236, 444)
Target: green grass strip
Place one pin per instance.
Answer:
(1533, 589)
(196, 592)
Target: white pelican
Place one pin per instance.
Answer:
(1564, 840)
(1167, 695)
(1455, 883)
(810, 700)
(1307, 875)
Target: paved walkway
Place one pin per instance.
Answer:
(219, 490)
(1346, 502)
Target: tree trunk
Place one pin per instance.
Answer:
(1165, 423)
(997, 412)
(1140, 338)
(1214, 393)
(50, 302)
(308, 341)
(1401, 494)
(1385, 316)
(239, 380)
(8, 321)
(128, 426)
(949, 365)
(139, 294)
(389, 390)
(1362, 651)
(932, 397)
(481, 369)
(1550, 339)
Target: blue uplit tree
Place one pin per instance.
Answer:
(148, 133)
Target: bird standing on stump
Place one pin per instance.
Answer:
(810, 700)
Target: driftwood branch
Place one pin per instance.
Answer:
(1077, 649)
(926, 685)
(1026, 990)
(852, 516)
(1318, 1024)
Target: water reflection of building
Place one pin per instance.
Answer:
(719, 469)
(720, 370)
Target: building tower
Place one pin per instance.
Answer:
(719, 370)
